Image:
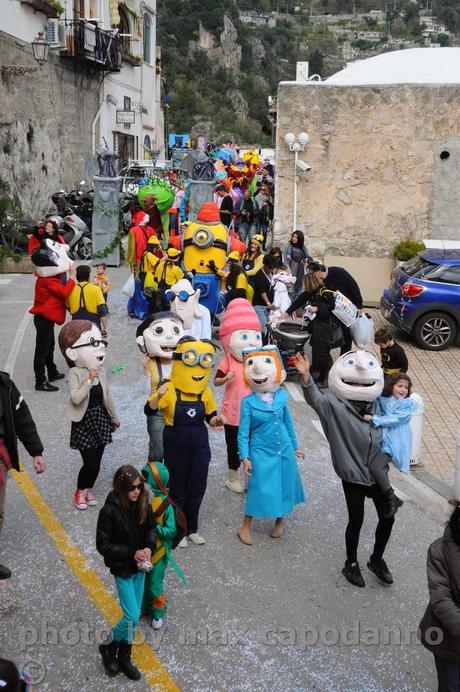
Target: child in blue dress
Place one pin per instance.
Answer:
(267, 443)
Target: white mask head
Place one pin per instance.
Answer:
(185, 301)
(356, 376)
(242, 339)
(158, 336)
(51, 258)
(88, 351)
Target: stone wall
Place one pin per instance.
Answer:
(377, 172)
(45, 125)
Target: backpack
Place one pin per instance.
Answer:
(181, 521)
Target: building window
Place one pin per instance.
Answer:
(87, 9)
(147, 148)
(147, 40)
(125, 146)
(125, 28)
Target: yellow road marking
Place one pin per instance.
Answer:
(156, 676)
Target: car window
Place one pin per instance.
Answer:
(450, 275)
(419, 268)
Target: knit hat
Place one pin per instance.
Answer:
(258, 238)
(239, 315)
(173, 254)
(208, 213)
(153, 240)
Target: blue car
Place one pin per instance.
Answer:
(423, 298)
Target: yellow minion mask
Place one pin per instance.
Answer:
(192, 365)
(204, 240)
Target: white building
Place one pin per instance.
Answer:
(115, 43)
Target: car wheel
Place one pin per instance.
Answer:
(435, 331)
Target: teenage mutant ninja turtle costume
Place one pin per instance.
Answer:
(168, 533)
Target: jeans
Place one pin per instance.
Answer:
(130, 593)
(262, 314)
(155, 426)
(246, 230)
(448, 674)
(44, 349)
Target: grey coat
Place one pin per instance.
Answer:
(353, 442)
(442, 616)
(79, 389)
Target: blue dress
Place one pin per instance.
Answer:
(397, 434)
(267, 437)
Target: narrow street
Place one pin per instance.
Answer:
(275, 615)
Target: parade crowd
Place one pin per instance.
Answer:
(220, 276)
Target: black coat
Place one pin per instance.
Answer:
(443, 610)
(119, 536)
(17, 421)
(338, 279)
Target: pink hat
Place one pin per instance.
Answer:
(239, 315)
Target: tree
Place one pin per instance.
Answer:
(443, 40)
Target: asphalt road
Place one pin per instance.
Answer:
(275, 615)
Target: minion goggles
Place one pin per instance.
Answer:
(204, 238)
(182, 295)
(191, 357)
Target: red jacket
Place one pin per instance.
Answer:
(50, 295)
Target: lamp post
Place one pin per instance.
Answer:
(40, 49)
(296, 144)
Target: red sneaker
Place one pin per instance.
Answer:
(79, 499)
(90, 497)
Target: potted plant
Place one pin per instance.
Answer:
(406, 248)
(11, 260)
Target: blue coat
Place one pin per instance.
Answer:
(397, 434)
(267, 437)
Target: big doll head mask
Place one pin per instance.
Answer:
(157, 336)
(51, 258)
(239, 328)
(356, 376)
(82, 345)
(192, 365)
(263, 369)
(184, 301)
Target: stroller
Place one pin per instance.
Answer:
(290, 337)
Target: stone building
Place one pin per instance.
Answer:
(101, 80)
(384, 152)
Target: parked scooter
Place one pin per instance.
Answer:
(74, 228)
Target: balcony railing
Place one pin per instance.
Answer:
(87, 42)
(41, 6)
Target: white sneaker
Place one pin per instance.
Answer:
(90, 497)
(156, 624)
(183, 543)
(196, 539)
(234, 486)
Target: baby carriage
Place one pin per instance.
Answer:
(290, 336)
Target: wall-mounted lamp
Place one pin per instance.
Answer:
(40, 49)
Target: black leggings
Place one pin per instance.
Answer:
(90, 469)
(355, 496)
(231, 440)
(44, 349)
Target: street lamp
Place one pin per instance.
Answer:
(296, 144)
(40, 48)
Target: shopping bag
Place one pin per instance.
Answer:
(362, 331)
(128, 288)
(344, 310)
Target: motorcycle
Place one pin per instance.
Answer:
(74, 227)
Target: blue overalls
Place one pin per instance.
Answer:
(187, 455)
(83, 313)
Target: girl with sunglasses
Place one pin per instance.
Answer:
(90, 406)
(126, 537)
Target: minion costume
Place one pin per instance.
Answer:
(154, 601)
(187, 403)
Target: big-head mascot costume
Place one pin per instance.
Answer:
(267, 443)
(185, 302)
(52, 288)
(157, 337)
(355, 383)
(239, 330)
(187, 403)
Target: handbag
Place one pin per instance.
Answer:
(362, 331)
(337, 338)
(129, 287)
(344, 310)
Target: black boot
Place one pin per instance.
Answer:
(124, 660)
(393, 503)
(109, 658)
(5, 573)
(352, 572)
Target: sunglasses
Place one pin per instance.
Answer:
(136, 486)
(182, 295)
(92, 342)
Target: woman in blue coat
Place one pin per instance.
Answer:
(267, 444)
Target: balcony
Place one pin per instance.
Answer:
(41, 6)
(93, 46)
